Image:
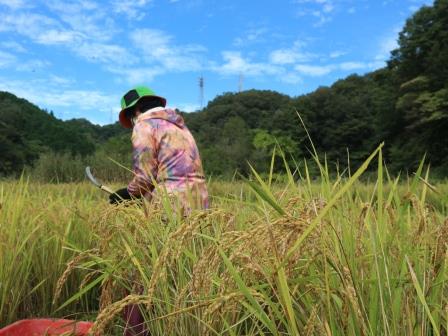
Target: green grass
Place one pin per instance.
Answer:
(335, 256)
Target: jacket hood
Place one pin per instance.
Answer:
(165, 114)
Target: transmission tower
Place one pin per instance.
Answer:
(240, 82)
(201, 92)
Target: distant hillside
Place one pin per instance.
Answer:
(354, 114)
(26, 131)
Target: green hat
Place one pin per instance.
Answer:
(131, 98)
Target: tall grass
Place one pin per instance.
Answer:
(67, 168)
(38, 224)
(332, 257)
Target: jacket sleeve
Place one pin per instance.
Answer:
(144, 157)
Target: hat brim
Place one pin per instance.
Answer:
(126, 122)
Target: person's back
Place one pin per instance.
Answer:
(165, 152)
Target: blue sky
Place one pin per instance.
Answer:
(77, 58)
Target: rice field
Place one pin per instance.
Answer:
(325, 255)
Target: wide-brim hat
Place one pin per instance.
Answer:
(131, 98)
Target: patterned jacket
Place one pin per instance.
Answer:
(166, 160)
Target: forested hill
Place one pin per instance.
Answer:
(26, 132)
(404, 104)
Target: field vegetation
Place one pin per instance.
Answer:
(308, 255)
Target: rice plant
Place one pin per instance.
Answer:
(335, 256)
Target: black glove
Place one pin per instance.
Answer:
(119, 196)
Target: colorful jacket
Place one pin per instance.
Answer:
(165, 152)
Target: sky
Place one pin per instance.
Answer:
(78, 58)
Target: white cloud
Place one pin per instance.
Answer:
(420, 3)
(284, 56)
(27, 24)
(58, 80)
(328, 8)
(14, 4)
(320, 9)
(158, 48)
(352, 66)
(73, 6)
(13, 46)
(86, 31)
(53, 36)
(105, 53)
(48, 94)
(251, 36)
(187, 107)
(11, 61)
(386, 45)
(322, 18)
(291, 78)
(85, 39)
(322, 70)
(83, 99)
(133, 9)
(375, 65)
(40, 29)
(317, 2)
(235, 63)
(81, 16)
(32, 65)
(314, 70)
(290, 55)
(337, 53)
(137, 75)
(86, 18)
(6, 59)
(92, 26)
(349, 66)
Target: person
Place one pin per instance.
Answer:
(166, 163)
(166, 159)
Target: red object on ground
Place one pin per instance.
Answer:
(46, 327)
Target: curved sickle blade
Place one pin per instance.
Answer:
(91, 178)
(96, 182)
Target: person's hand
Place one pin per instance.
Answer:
(119, 196)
